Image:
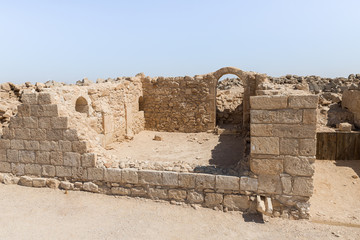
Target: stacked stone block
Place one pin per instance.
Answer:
(283, 144)
(39, 142)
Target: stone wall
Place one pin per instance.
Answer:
(283, 148)
(351, 102)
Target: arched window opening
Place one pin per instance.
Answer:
(81, 105)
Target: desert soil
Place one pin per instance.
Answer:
(30, 213)
(194, 148)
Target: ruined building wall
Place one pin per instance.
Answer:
(283, 148)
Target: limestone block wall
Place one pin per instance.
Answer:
(283, 148)
(39, 142)
(351, 101)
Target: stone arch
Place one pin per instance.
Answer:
(228, 70)
(81, 105)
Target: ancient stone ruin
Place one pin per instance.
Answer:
(59, 135)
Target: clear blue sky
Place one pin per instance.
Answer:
(66, 40)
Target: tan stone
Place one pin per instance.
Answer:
(71, 159)
(346, 127)
(48, 171)
(236, 202)
(56, 158)
(44, 122)
(71, 135)
(266, 166)
(177, 194)
(30, 122)
(16, 122)
(227, 183)
(25, 181)
(54, 135)
(289, 146)
(27, 156)
(4, 143)
(22, 133)
(18, 169)
(150, 177)
(307, 147)
(31, 145)
(88, 160)
(38, 134)
(187, 180)
(79, 146)
(205, 181)
(261, 130)
(213, 199)
(170, 179)
(138, 192)
(65, 146)
(91, 187)
(265, 145)
(276, 116)
(42, 157)
(294, 131)
(195, 197)
(129, 176)
(297, 166)
(269, 184)
(112, 175)
(268, 102)
(47, 110)
(309, 116)
(5, 167)
(120, 191)
(303, 101)
(286, 184)
(33, 169)
(303, 186)
(44, 98)
(24, 110)
(52, 183)
(39, 182)
(248, 184)
(95, 174)
(29, 98)
(156, 193)
(62, 171)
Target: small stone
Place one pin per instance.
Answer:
(90, 187)
(66, 185)
(26, 181)
(157, 138)
(52, 183)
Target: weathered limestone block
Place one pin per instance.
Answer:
(72, 159)
(187, 180)
(138, 192)
(22, 133)
(269, 184)
(18, 169)
(95, 174)
(79, 173)
(170, 179)
(129, 176)
(236, 202)
(88, 160)
(227, 183)
(265, 145)
(5, 167)
(65, 146)
(71, 135)
(298, 166)
(156, 193)
(16, 122)
(59, 122)
(56, 158)
(289, 146)
(286, 183)
(276, 116)
(29, 98)
(345, 127)
(44, 98)
(44, 122)
(27, 156)
(91, 187)
(303, 186)
(261, 130)
(52, 183)
(66, 185)
(25, 110)
(213, 199)
(195, 197)
(39, 182)
(30, 122)
(33, 169)
(112, 175)
(266, 166)
(309, 116)
(48, 171)
(12, 155)
(120, 191)
(38, 134)
(26, 181)
(303, 101)
(80, 146)
(248, 184)
(177, 194)
(46, 110)
(294, 131)
(4, 143)
(42, 157)
(49, 146)
(268, 102)
(54, 134)
(62, 171)
(31, 145)
(203, 181)
(150, 177)
(307, 147)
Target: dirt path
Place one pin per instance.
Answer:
(336, 192)
(30, 213)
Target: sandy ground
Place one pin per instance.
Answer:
(336, 197)
(197, 148)
(30, 213)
